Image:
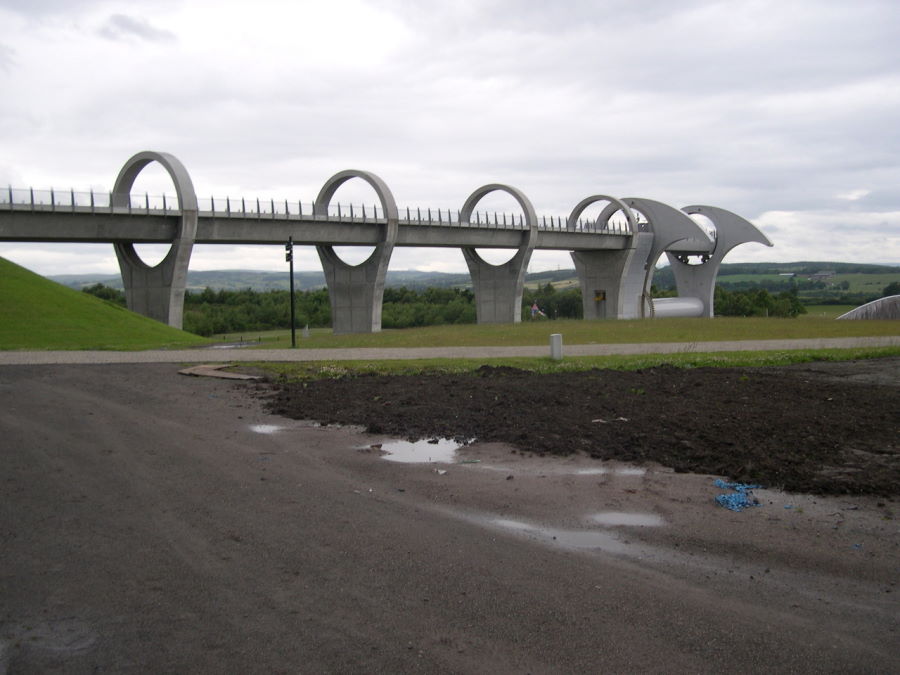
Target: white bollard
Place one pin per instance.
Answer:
(556, 347)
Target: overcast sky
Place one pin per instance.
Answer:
(783, 111)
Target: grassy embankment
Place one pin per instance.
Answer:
(40, 314)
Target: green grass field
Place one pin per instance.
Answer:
(867, 283)
(40, 314)
(692, 331)
(328, 369)
(585, 332)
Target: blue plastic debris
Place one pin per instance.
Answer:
(742, 497)
(738, 487)
(736, 502)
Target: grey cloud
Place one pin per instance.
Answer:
(537, 15)
(7, 58)
(42, 9)
(880, 200)
(754, 106)
(123, 27)
(39, 7)
(665, 46)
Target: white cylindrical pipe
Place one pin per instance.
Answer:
(667, 308)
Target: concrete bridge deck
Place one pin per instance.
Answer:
(615, 253)
(104, 224)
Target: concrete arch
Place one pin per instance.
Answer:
(530, 239)
(699, 281)
(158, 291)
(731, 229)
(883, 308)
(357, 291)
(668, 226)
(614, 205)
(498, 288)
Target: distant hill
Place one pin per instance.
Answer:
(807, 268)
(40, 314)
(663, 278)
(229, 280)
(234, 280)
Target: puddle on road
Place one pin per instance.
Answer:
(577, 539)
(554, 471)
(617, 518)
(421, 452)
(265, 428)
(626, 471)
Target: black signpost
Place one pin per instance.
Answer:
(289, 256)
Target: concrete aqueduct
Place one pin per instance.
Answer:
(614, 259)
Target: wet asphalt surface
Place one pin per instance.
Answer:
(146, 526)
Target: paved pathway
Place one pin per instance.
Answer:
(222, 355)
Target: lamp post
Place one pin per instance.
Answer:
(289, 257)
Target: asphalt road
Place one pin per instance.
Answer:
(229, 355)
(152, 522)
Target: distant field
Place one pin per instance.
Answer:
(867, 283)
(561, 285)
(585, 332)
(744, 278)
(825, 311)
(859, 283)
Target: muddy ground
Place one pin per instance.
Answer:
(821, 428)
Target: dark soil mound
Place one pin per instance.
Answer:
(827, 428)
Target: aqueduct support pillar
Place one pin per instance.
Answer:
(158, 291)
(498, 288)
(612, 282)
(699, 281)
(357, 291)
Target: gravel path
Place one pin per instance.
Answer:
(222, 355)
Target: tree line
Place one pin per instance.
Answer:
(210, 312)
(757, 302)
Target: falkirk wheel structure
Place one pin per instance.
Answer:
(614, 257)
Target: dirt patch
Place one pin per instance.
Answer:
(823, 428)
